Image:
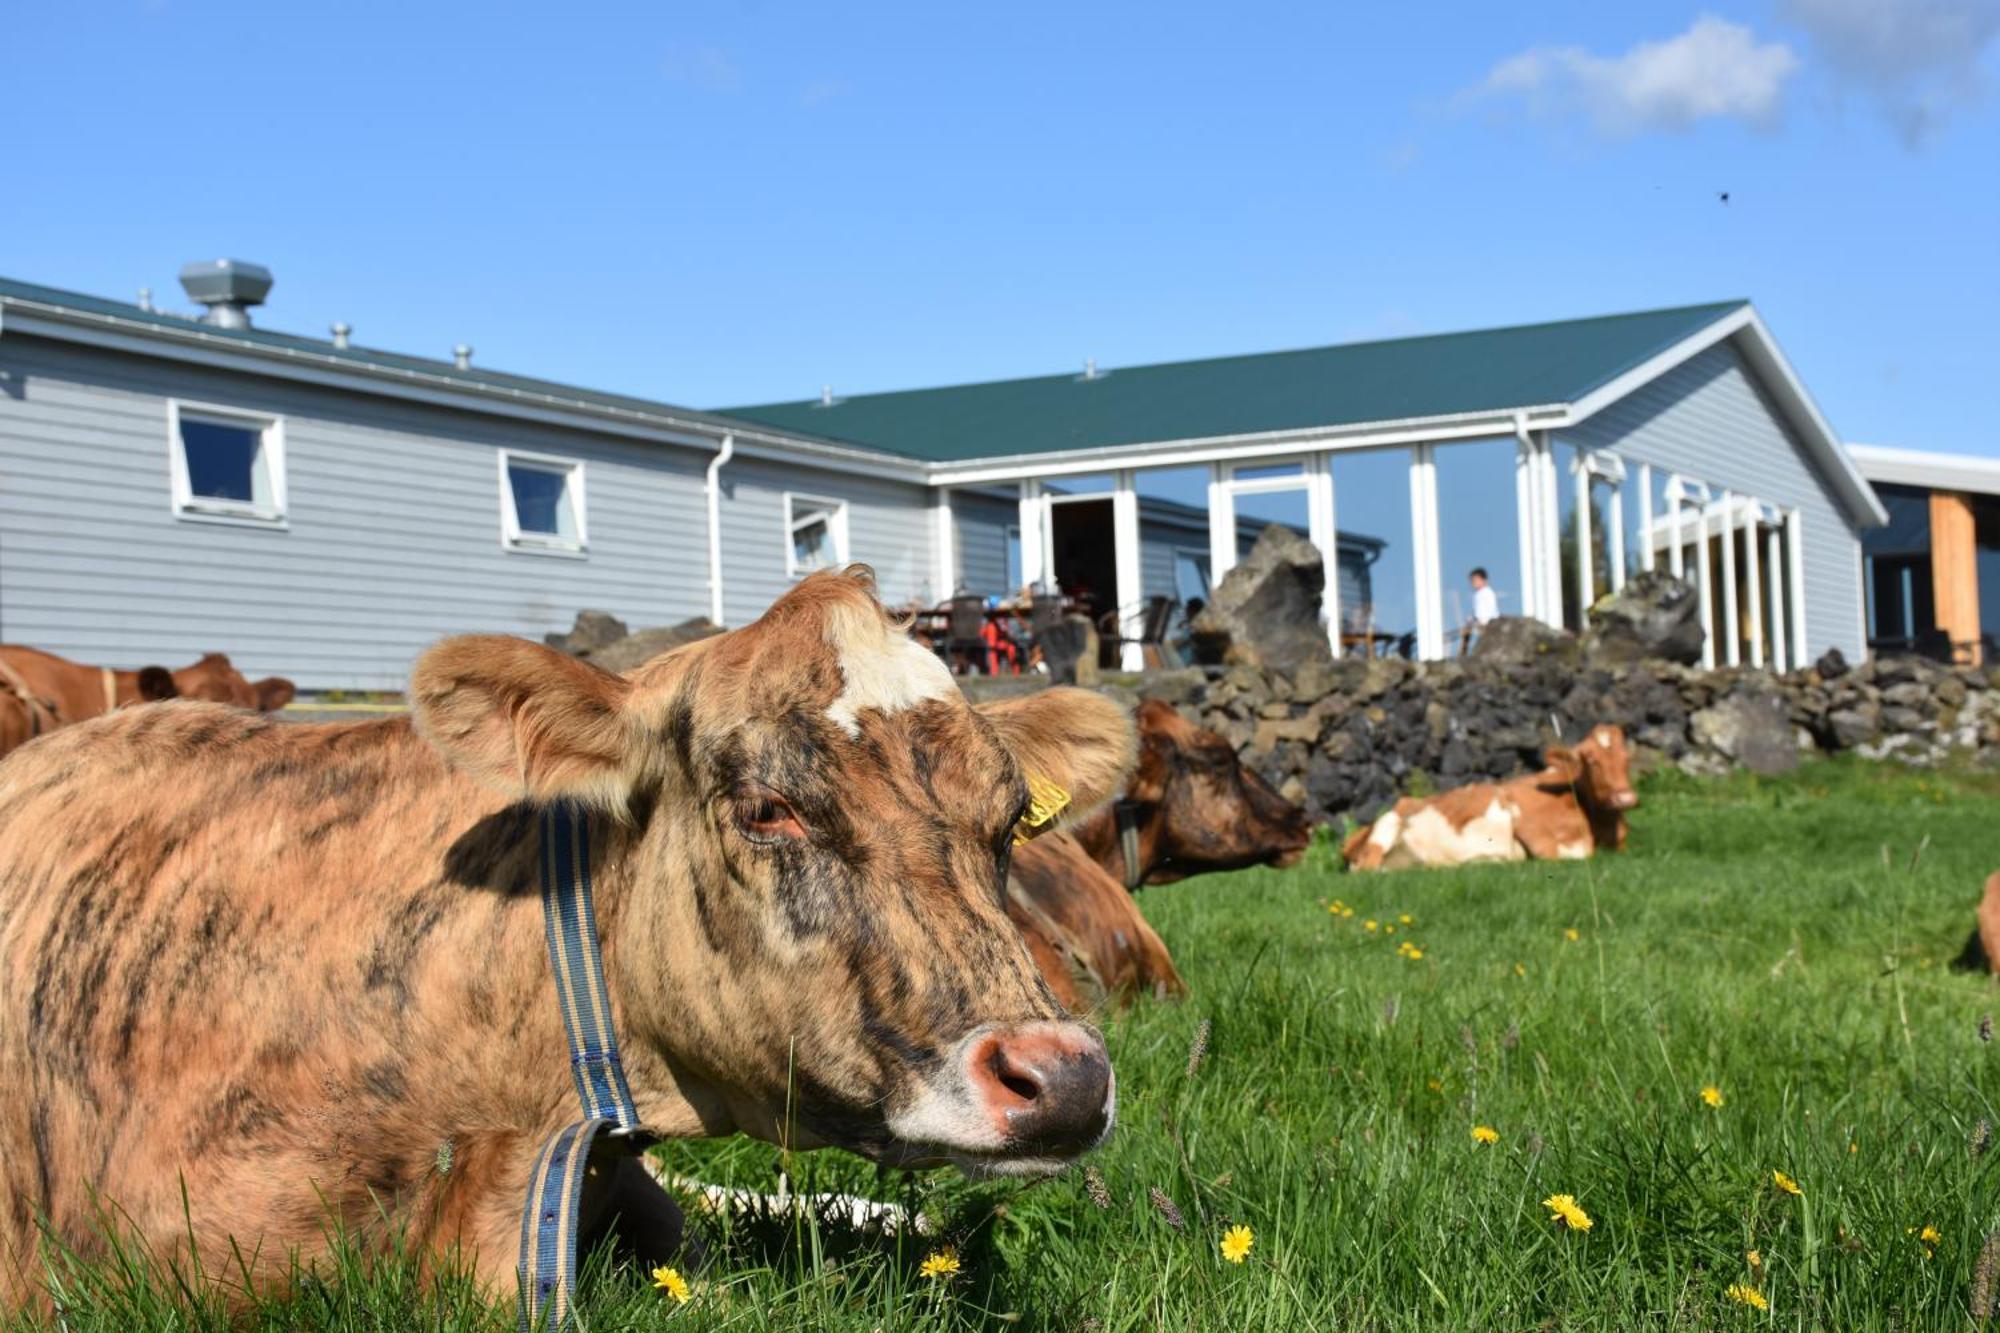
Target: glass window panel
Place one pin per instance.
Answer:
(223, 461)
(1478, 528)
(1371, 499)
(1257, 471)
(542, 505)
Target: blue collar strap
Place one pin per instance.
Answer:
(549, 1221)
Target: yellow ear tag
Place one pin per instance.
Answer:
(1045, 802)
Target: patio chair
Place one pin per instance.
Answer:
(1157, 652)
(965, 634)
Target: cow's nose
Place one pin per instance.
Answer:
(1047, 1084)
(1625, 800)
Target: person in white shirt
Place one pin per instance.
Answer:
(1485, 602)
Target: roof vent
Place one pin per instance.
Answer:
(228, 287)
(340, 334)
(1090, 370)
(461, 356)
(826, 398)
(146, 299)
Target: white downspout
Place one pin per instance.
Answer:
(715, 464)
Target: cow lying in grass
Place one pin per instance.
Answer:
(1571, 809)
(1190, 807)
(290, 970)
(40, 692)
(1982, 948)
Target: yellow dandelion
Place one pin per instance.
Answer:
(672, 1283)
(1520, 971)
(1390, 930)
(1563, 1208)
(1572, 934)
(1370, 925)
(1414, 954)
(1346, 912)
(1711, 1095)
(1407, 919)
(1485, 1134)
(1929, 1235)
(1236, 1243)
(1852, 1146)
(1743, 1294)
(1755, 1258)
(1786, 1184)
(939, 1265)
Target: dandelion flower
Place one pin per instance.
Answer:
(1435, 1085)
(1407, 919)
(1236, 1243)
(1389, 930)
(1371, 925)
(1572, 934)
(1786, 1184)
(1485, 1134)
(1929, 1235)
(1520, 971)
(1346, 912)
(672, 1283)
(1414, 954)
(1711, 1095)
(1743, 1294)
(940, 1265)
(1563, 1208)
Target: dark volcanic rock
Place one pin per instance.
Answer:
(593, 630)
(1655, 617)
(1519, 639)
(1266, 611)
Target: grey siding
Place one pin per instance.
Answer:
(1709, 419)
(888, 527)
(980, 523)
(393, 537)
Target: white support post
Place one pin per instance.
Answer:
(1526, 524)
(1732, 628)
(1676, 516)
(1131, 590)
(944, 554)
(1702, 583)
(1753, 580)
(1647, 558)
(1425, 558)
(1034, 538)
(1550, 564)
(1325, 532)
(1221, 524)
(1614, 536)
(1774, 550)
(1795, 561)
(1586, 575)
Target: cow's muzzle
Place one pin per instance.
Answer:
(1024, 1099)
(1625, 800)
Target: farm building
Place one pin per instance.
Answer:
(175, 483)
(1932, 573)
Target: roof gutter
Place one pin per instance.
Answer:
(715, 466)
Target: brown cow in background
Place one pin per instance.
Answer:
(1571, 809)
(1190, 808)
(40, 691)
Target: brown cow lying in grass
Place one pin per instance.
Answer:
(1982, 949)
(289, 969)
(1571, 809)
(1190, 808)
(40, 692)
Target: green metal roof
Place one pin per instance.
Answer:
(1528, 365)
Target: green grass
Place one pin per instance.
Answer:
(1784, 940)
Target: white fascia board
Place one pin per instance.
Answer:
(1934, 471)
(198, 346)
(1761, 350)
(1241, 448)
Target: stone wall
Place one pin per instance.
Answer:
(1350, 736)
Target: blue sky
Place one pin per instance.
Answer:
(719, 204)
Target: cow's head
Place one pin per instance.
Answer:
(1597, 769)
(215, 679)
(1212, 813)
(806, 848)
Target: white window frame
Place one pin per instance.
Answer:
(537, 543)
(194, 508)
(836, 529)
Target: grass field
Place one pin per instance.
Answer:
(1785, 942)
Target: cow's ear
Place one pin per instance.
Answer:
(156, 683)
(526, 719)
(1072, 739)
(1564, 767)
(273, 693)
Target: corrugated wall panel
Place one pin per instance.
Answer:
(393, 536)
(1709, 419)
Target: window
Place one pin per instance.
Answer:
(541, 503)
(1014, 579)
(1190, 574)
(226, 467)
(818, 531)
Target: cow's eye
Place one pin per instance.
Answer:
(764, 817)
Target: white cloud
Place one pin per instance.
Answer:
(1917, 59)
(708, 68)
(1714, 70)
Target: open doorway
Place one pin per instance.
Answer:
(1085, 548)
